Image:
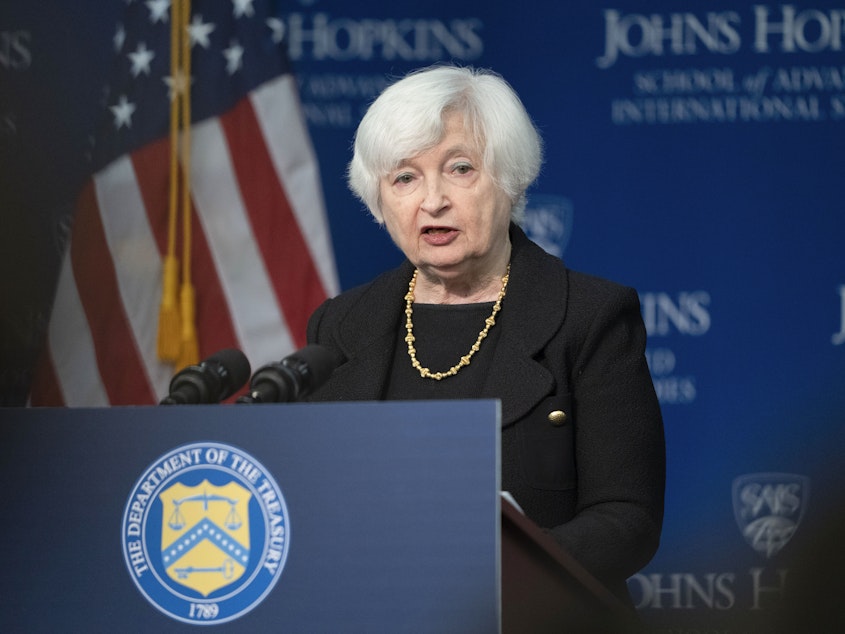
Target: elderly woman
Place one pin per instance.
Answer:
(442, 159)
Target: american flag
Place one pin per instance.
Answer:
(261, 257)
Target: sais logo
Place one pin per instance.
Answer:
(205, 533)
(768, 508)
(548, 222)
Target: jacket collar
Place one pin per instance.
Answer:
(532, 312)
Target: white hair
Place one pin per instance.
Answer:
(408, 118)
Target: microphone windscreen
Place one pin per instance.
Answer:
(236, 365)
(320, 361)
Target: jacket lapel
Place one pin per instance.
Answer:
(532, 313)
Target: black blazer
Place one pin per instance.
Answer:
(569, 343)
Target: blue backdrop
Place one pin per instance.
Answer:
(692, 153)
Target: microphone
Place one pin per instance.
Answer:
(213, 380)
(293, 378)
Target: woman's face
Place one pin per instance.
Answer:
(444, 211)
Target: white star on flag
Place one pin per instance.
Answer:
(199, 31)
(278, 29)
(234, 57)
(243, 8)
(158, 10)
(123, 112)
(141, 59)
(119, 38)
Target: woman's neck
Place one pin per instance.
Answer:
(471, 287)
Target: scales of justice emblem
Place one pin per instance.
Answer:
(205, 533)
(205, 537)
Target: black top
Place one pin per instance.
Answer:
(444, 333)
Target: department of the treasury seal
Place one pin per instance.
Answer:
(205, 533)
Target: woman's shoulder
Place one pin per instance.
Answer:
(581, 292)
(597, 304)
(365, 303)
(377, 288)
(589, 285)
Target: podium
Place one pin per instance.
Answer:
(545, 590)
(328, 517)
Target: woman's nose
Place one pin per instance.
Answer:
(435, 196)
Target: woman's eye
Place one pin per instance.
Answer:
(462, 168)
(403, 179)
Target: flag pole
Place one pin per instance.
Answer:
(189, 346)
(169, 326)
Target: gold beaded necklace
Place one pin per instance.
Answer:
(409, 326)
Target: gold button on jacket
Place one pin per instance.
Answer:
(557, 417)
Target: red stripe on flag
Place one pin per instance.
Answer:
(299, 289)
(120, 365)
(214, 322)
(45, 384)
